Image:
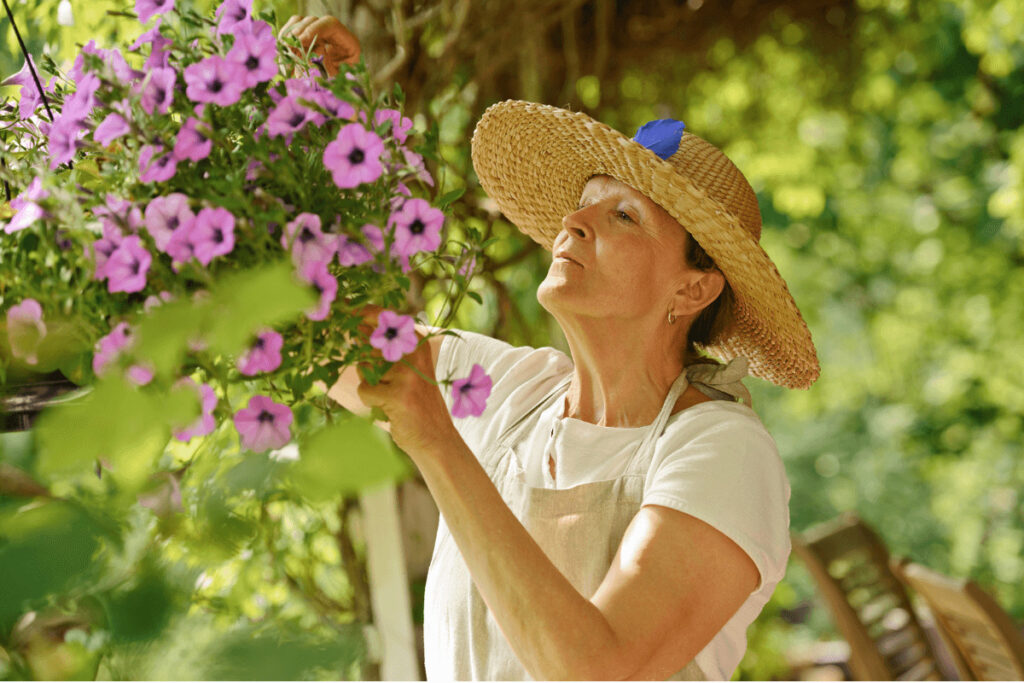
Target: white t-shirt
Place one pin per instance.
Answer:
(714, 461)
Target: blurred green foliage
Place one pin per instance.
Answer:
(890, 170)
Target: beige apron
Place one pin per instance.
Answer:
(579, 529)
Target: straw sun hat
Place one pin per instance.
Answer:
(533, 160)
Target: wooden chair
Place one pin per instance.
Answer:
(850, 564)
(971, 622)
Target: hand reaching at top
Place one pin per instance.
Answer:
(333, 41)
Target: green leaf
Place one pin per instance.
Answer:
(246, 655)
(475, 297)
(142, 611)
(243, 303)
(345, 457)
(124, 425)
(163, 334)
(449, 197)
(43, 550)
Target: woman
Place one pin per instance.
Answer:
(616, 513)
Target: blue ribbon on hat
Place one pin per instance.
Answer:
(661, 137)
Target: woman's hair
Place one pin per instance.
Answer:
(714, 314)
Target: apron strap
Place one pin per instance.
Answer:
(510, 431)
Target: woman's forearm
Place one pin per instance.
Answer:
(555, 631)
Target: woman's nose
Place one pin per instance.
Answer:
(576, 224)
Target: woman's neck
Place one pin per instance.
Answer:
(622, 371)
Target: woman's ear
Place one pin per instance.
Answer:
(701, 288)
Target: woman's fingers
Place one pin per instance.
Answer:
(292, 20)
(296, 25)
(335, 41)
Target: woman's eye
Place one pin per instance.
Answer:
(624, 216)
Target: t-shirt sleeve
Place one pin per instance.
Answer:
(520, 377)
(725, 470)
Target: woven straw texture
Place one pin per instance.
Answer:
(533, 161)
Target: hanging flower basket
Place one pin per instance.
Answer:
(198, 226)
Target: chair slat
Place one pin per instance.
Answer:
(984, 636)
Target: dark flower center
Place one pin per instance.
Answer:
(240, 14)
(161, 95)
(216, 85)
(135, 267)
(417, 227)
(258, 344)
(218, 236)
(252, 63)
(265, 416)
(356, 156)
(164, 160)
(391, 333)
(465, 388)
(306, 235)
(173, 222)
(296, 119)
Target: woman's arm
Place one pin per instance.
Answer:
(674, 582)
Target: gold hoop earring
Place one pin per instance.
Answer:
(671, 318)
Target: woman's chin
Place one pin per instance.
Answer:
(555, 294)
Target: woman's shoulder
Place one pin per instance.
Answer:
(521, 376)
(502, 361)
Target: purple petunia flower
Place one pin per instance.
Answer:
(156, 166)
(351, 252)
(80, 103)
(416, 162)
(152, 301)
(212, 234)
(127, 267)
(395, 335)
(108, 347)
(119, 213)
(166, 214)
(147, 8)
(112, 127)
(257, 55)
(231, 13)
(417, 227)
(26, 208)
(263, 356)
(205, 423)
(30, 98)
(306, 240)
(180, 247)
(112, 57)
(263, 424)
(316, 274)
(25, 330)
(104, 247)
(215, 80)
(287, 117)
(158, 92)
(353, 157)
(63, 139)
(400, 125)
(192, 142)
(139, 374)
(159, 55)
(470, 394)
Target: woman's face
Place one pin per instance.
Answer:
(619, 255)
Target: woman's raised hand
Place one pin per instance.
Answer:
(333, 41)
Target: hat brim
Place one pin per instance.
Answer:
(533, 160)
